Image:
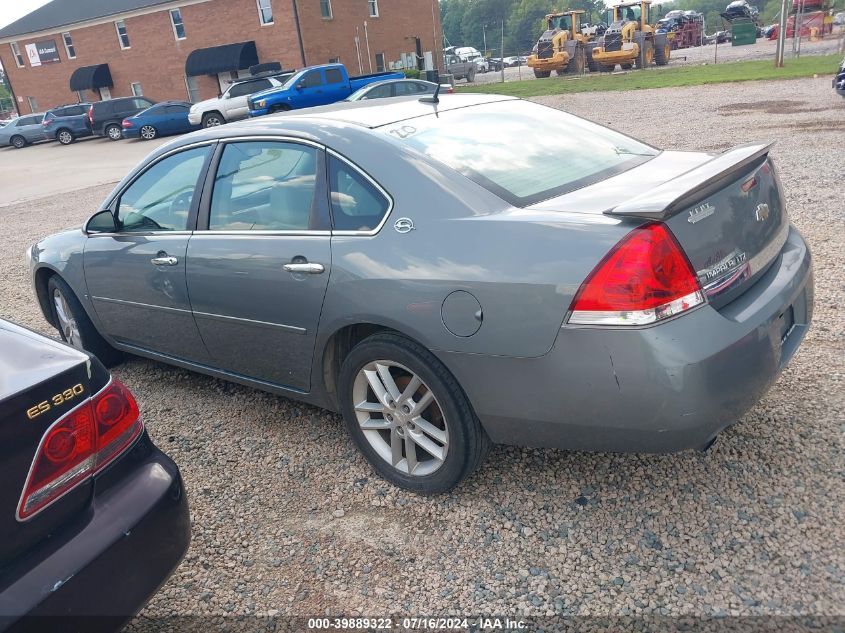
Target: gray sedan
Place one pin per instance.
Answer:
(398, 88)
(448, 275)
(22, 131)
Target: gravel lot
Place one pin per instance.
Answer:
(288, 519)
(762, 49)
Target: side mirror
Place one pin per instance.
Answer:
(300, 86)
(101, 222)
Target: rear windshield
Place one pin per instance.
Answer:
(521, 151)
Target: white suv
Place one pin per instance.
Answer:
(232, 104)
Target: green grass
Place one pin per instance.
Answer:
(691, 75)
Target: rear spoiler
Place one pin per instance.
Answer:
(667, 199)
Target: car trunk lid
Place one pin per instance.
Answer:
(40, 381)
(728, 214)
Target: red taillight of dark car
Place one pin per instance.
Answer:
(91, 115)
(79, 444)
(645, 278)
(127, 123)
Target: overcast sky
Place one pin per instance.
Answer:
(11, 10)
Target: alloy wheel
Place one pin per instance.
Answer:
(400, 417)
(213, 121)
(148, 132)
(67, 322)
(18, 142)
(114, 133)
(65, 137)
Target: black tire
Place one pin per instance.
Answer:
(147, 132)
(212, 119)
(592, 64)
(542, 74)
(626, 66)
(662, 54)
(64, 136)
(283, 107)
(576, 64)
(607, 68)
(471, 75)
(90, 339)
(468, 443)
(18, 141)
(646, 56)
(112, 131)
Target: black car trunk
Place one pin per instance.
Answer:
(36, 377)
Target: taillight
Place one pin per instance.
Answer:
(644, 279)
(78, 445)
(127, 123)
(91, 115)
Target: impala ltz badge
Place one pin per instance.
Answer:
(762, 212)
(701, 212)
(404, 225)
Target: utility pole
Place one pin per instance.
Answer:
(781, 35)
(484, 35)
(502, 51)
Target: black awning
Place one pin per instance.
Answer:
(220, 59)
(91, 78)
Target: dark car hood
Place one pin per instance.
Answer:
(30, 358)
(604, 195)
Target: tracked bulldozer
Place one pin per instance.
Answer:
(562, 48)
(630, 40)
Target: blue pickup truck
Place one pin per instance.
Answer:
(313, 86)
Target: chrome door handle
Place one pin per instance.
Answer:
(311, 269)
(164, 261)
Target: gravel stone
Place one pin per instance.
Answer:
(753, 526)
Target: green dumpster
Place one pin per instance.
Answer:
(743, 31)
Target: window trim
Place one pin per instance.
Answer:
(65, 37)
(16, 53)
(188, 89)
(32, 102)
(372, 5)
(120, 37)
(372, 181)
(181, 22)
(132, 85)
(383, 62)
(261, 15)
(326, 3)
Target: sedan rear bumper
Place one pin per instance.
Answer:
(103, 573)
(663, 388)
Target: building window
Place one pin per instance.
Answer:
(265, 11)
(373, 8)
(178, 25)
(137, 90)
(80, 96)
(33, 104)
(380, 62)
(334, 60)
(122, 35)
(105, 93)
(16, 51)
(193, 89)
(326, 9)
(69, 49)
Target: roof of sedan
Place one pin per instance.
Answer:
(374, 113)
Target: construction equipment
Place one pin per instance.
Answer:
(630, 39)
(683, 29)
(562, 47)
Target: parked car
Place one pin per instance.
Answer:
(460, 69)
(839, 79)
(313, 86)
(233, 104)
(106, 117)
(23, 131)
(90, 502)
(442, 273)
(67, 123)
(480, 64)
(165, 117)
(398, 88)
(495, 63)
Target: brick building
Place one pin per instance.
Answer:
(88, 50)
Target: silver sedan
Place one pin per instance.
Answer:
(448, 274)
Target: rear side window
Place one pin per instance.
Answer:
(264, 186)
(333, 76)
(160, 198)
(379, 92)
(312, 79)
(357, 205)
(522, 151)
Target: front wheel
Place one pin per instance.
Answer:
(212, 119)
(471, 75)
(661, 54)
(72, 322)
(113, 132)
(542, 74)
(148, 132)
(408, 416)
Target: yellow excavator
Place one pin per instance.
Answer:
(562, 47)
(630, 40)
